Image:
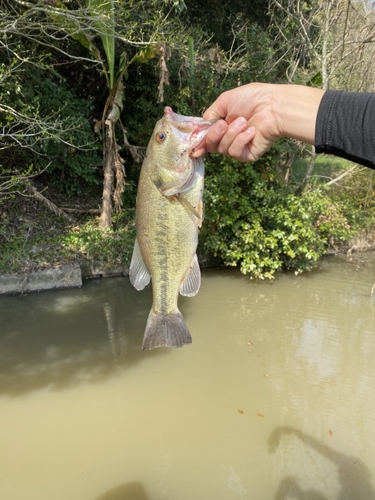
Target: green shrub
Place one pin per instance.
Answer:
(49, 129)
(256, 222)
(113, 247)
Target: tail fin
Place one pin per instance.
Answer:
(165, 330)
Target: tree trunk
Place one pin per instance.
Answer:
(112, 162)
(108, 164)
(308, 175)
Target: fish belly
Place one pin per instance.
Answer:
(167, 236)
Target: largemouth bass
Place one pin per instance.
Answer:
(169, 212)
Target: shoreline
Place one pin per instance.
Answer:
(60, 277)
(72, 275)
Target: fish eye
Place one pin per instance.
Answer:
(160, 136)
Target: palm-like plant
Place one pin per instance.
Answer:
(100, 22)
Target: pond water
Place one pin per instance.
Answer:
(275, 399)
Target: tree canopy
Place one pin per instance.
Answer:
(82, 83)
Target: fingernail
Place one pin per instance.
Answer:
(220, 126)
(240, 122)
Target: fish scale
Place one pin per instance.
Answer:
(168, 216)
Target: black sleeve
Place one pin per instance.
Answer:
(345, 126)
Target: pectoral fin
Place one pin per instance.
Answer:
(138, 272)
(192, 281)
(197, 212)
(200, 209)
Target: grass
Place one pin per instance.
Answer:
(325, 169)
(32, 237)
(354, 192)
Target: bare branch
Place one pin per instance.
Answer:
(48, 203)
(341, 176)
(327, 37)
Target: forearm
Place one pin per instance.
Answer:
(345, 126)
(255, 115)
(296, 109)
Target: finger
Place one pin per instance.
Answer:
(238, 126)
(211, 140)
(242, 148)
(218, 109)
(215, 135)
(196, 153)
(212, 115)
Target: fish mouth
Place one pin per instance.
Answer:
(189, 129)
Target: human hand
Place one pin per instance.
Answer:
(249, 125)
(254, 116)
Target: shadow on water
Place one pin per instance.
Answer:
(127, 491)
(354, 476)
(61, 339)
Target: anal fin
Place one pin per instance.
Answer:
(192, 281)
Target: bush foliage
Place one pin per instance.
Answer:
(254, 218)
(48, 128)
(260, 225)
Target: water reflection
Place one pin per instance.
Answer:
(116, 335)
(274, 399)
(353, 475)
(69, 339)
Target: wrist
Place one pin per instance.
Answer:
(296, 108)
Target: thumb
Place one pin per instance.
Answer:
(218, 109)
(212, 114)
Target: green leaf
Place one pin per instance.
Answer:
(103, 11)
(315, 81)
(72, 28)
(191, 55)
(144, 54)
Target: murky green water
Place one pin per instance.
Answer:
(275, 399)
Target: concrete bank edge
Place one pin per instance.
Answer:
(72, 275)
(57, 277)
